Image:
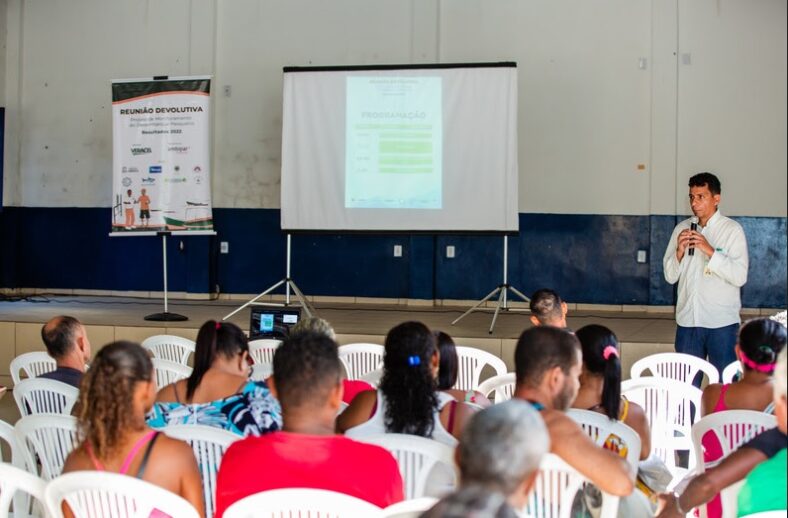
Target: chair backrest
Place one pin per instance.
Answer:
(373, 377)
(412, 508)
(169, 372)
(502, 384)
(675, 366)
(49, 438)
(170, 347)
(304, 503)
(209, 445)
(360, 359)
(732, 428)
(7, 436)
(102, 494)
(32, 364)
(426, 465)
(671, 407)
(555, 489)
(261, 371)
(729, 498)
(600, 428)
(730, 371)
(13, 480)
(263, 350)
(470, 363)
(44, 396)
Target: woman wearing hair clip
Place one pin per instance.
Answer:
(407, 400)
(760, 341)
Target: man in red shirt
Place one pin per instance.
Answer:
(307, 381)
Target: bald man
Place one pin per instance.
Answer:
(67, 342)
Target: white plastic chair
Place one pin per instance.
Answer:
(93, 494)
(14, 480)
(471, 362)
(303, 503)
(360, 359)
(44, 396)
(170, 347)
(502, 384)
(263, 350)
(412, 508)
(671, 407)
(169, 372)
(7, 436)
(426, 465)
(261, 371)
(209, 445)
(48, 438)
(599, 428)
(373, 378)
(675, 366)
(730, 371)
(32, 364)
(729, 498)
(555, 489)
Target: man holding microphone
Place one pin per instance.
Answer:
(707, 255)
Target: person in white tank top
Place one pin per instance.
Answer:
(407, 400)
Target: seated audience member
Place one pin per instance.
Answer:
(116, 392)
(449, 370)
(67, 342)
(760, 341)
(600, 384)
(498, 458)
(547, 309)
(307, 453)
(407, 400)
(547, 365)
(762, 461)
(219, 392)
(319, 326)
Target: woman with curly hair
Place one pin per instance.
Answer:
(219, 392)
(115, 394)
(407, 400)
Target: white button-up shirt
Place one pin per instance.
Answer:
(709, 287)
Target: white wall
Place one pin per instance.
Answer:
(588, 114)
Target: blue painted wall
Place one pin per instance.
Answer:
(587, 258)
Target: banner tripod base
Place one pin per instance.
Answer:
(166, 317)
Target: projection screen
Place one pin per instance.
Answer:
(400, 148)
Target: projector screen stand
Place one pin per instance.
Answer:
(289, 284)
(502, 290)
(166, 316)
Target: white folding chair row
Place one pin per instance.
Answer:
(170, 347)
(169, 372)
(733, 369)
(209, 445)
(303, 503)
(599, 428)
(15, 483)
(427, 466)
(470, 364)
(45, 440)
(555, 489)
(44, 396)
(502, 384)
(262, 351)
(360, 359)
(676, 366)
(32, 364)
(671, 407)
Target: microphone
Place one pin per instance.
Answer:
(694, 228)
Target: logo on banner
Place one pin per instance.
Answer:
(130, 169)
(178, 149)
(148, 181)
(126, 181)
(197, 169)
(177, 168)
(175, 180)
(198, 180)
(136, 151)
(154, 169)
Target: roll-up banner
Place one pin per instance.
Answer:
(161, 155)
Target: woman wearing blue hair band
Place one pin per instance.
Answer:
(407, 400)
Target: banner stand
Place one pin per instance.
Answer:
(166, 316)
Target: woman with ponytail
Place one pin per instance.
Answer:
(115, 394)
(219, 392)
(600, 383)
(407, 400)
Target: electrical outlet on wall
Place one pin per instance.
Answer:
(397, 250)
(641, 258)
(224, 247)
(450, 252)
